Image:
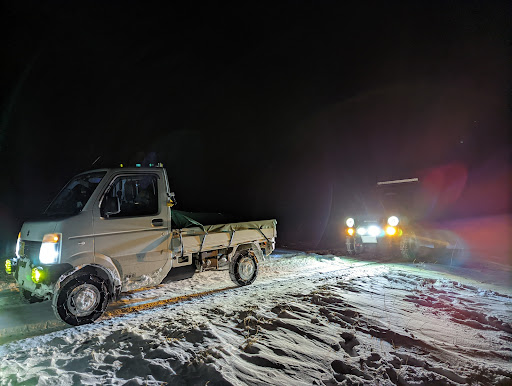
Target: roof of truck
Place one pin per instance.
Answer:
(124, 169)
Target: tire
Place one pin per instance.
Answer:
(243, 269)
(354, 245)
(81, 299)
(27, 297)
(409, 247)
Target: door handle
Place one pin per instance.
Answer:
(157, 222)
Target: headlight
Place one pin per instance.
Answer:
(50, 248)
(18, 245)
(350, 222)
(391, 231)
(374, 230)
(393, 221)
(361, 231)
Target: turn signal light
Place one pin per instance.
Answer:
(350, 231)
(51, 238)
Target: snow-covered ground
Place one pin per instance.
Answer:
(307, 319)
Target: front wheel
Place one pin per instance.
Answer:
(354, 245)
(81, 299)
(244, 268)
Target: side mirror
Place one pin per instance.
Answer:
(172, 200)
(112, 206)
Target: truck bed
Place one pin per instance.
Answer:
(195, 239)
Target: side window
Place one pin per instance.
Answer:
(138, 196)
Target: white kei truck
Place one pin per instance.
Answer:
(114, 230)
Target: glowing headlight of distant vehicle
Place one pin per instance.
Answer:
(391, 231)
(350, 222)
(18, 245)
(50, 248)
(361, 231)
(393, 221)
(373, 230)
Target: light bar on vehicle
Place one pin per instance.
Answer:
(398, 181)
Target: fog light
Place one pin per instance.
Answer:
(8, 266)
(350, 231)
(37, 274)
(391, 231)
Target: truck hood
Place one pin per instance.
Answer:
(35, 230)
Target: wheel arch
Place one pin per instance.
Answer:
(255, 247)
(111, 276)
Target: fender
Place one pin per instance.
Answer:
(258, 254)
(106, 262)
(108, 273)
(81, 258)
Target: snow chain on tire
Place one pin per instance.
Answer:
(61, 299)
(243, 269)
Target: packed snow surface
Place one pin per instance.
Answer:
(307, 319)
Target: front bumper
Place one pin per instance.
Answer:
(23, 276)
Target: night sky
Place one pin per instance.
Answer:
(282, 110)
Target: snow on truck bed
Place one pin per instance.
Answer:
(307, 319)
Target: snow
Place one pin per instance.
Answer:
(307, 319)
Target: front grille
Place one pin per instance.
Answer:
(31, 251)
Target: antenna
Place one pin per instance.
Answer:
(96, 160)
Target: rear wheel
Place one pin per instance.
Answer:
(244, 268)
(81, 299)
(409, 246)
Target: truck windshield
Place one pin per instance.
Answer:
(75, 195)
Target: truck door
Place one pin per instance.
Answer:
(137, 236)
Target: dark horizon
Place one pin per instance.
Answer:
(281, 111)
